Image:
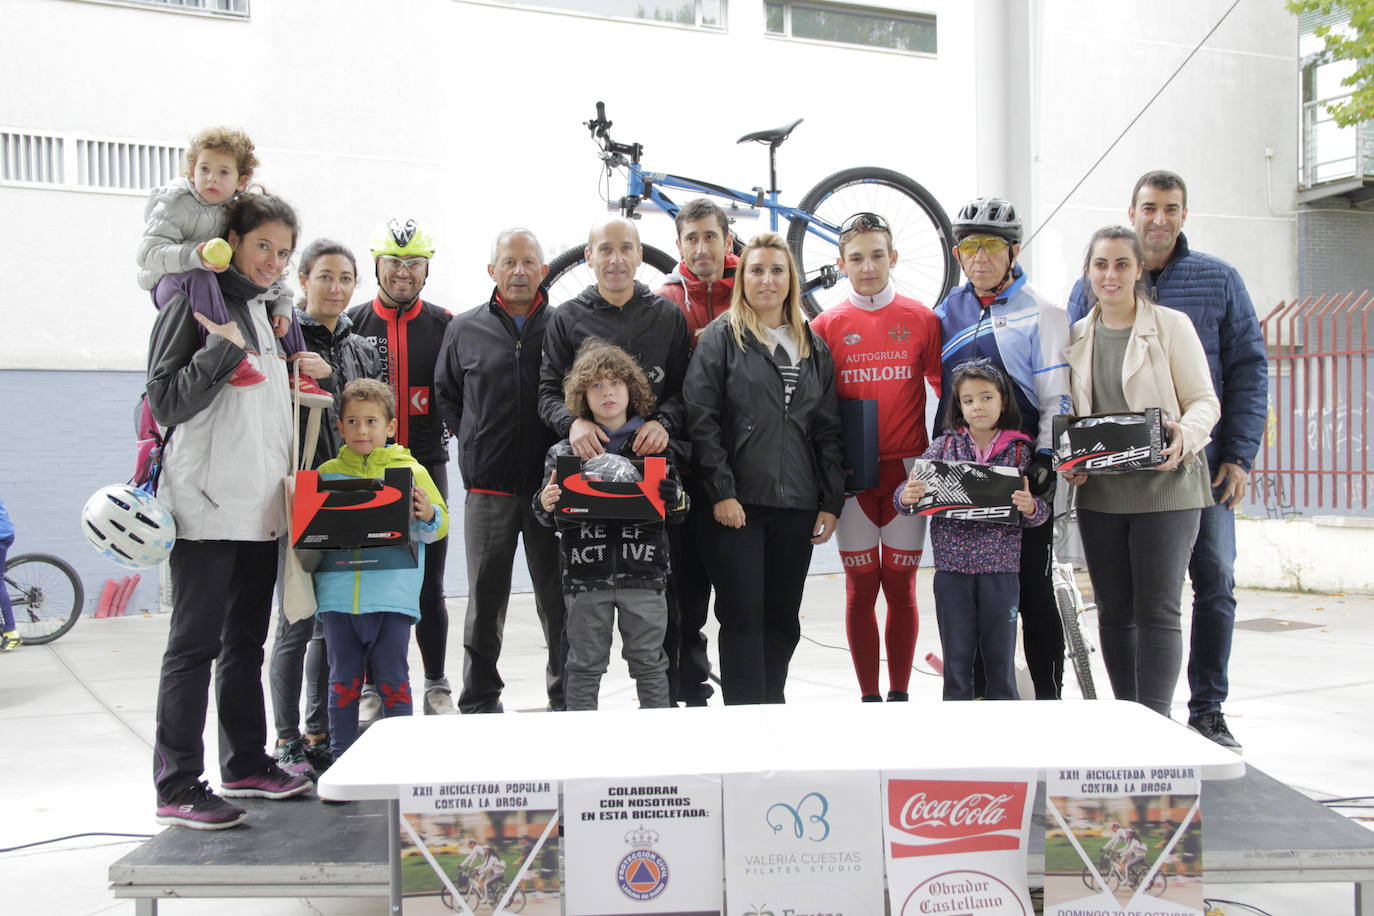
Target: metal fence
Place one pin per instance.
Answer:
(1314, 457)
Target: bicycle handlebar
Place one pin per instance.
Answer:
(601, 130)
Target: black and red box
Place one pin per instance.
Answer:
(354, 522)
(583, 498)
(1109, 443)
(969, 491)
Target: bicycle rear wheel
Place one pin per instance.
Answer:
(569, 273)
(921, 233)
(46, 594)
(1073, 640)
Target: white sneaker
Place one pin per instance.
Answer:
(439, 698)
(369, 707)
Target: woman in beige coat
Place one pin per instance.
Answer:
(1138, 527)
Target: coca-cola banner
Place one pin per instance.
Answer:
(643, 846)
(803, 842)
(957, 843)
(1123, 840)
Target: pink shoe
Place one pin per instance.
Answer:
(312, 395)
(245, 376)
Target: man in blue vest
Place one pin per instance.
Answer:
(1210, 292)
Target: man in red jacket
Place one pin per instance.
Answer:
(701, 286)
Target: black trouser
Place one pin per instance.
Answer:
(492, 523)
(431, 633)
(759, 572)
(689, 601)
(1042, 632)
(221, 607)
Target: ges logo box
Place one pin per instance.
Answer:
(354, 522)
(1108, 443)
(634, 501)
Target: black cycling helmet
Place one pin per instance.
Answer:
(988, 216)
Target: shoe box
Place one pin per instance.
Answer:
(354, 522)
(632, 501)
(1109, 443)
(859, 438)
(969, 491)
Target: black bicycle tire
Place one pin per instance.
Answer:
(942, 252)
(575, 258)
(1162, 880)
(78, 594)
(1073, 639)
(517, 900)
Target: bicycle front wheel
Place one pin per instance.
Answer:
(517, 901)
(46, 594)
(921, 235)
(1073, 638)
(569, 273)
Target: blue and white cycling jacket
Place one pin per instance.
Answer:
(1023, 334)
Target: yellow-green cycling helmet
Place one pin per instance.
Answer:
(402, 240)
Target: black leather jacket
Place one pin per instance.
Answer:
(745, 444)
(351, 357)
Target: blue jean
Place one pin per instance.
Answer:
(381, 639)
(977, 617)
(6, 611)
(1213, 571)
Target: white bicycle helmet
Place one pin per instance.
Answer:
(129, 526)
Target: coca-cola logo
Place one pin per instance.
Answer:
(928, 817)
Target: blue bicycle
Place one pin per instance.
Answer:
(921, 234)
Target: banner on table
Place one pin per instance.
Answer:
(493, 845)
(643, 846)
(958, 845)
(1123, 840)
(809, 842)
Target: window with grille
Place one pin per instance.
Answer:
(709, 14)
(74, 161)
(851, 25)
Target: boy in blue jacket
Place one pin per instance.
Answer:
(367, 613)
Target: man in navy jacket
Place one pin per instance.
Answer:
(1210, 292)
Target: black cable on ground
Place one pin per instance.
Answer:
(881, 660)
(73, 836)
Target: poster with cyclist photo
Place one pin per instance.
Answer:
(643, 845)
(490, 847)
(1123, 840)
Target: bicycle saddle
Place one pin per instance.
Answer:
(772, 137)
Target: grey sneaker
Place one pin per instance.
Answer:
(439, 698)
(1212, 726)
(369, 707)
(291, 757)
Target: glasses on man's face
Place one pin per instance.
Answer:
(865, 222)
(992, 244)
(391, 262)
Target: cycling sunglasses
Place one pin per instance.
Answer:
(992, 244)
(865, 222)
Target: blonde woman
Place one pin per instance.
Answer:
(765, 431)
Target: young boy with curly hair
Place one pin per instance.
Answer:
(184, 216)
(610, 565)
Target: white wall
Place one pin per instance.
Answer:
(1097, 64)
(462, 115)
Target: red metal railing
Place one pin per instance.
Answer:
(1315, 451)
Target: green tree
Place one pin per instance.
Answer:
(1354, 42)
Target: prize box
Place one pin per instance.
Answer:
(1111, 443)
(354, 522)
(859, 438)
(582, 498)
(968, 491)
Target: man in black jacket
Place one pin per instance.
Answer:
(487, 388)
(650, 328)
(407, 331)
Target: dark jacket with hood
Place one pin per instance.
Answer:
(648, 327)
(601, 554)
(701, 302)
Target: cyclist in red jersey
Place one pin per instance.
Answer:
(886, 348)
